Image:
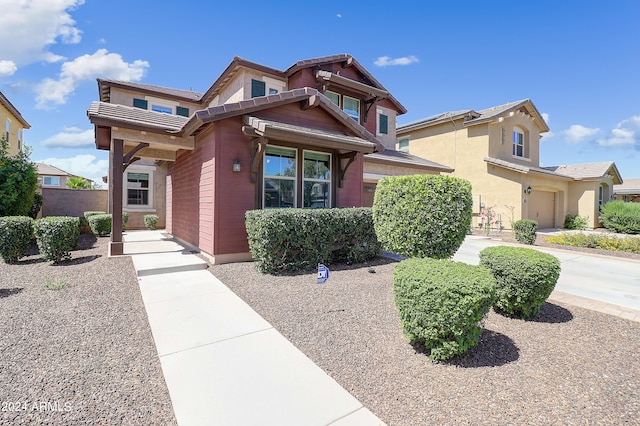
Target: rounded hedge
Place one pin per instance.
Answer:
(525, 231)
(57, 236)
(150, 221)
(15, 236)
(441, 303)
(100, 224)
(422, 215)
(622, 217)
(524, 278)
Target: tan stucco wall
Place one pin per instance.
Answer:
(389, 170)
(388, 140)
(14, 128)
(136, 216)
(583, 201)
(501, 136)
(239, 87)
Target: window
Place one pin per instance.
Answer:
(184, 112)
(383, 124)
(258, 88)
(403, 145)
(273, 91)
(518, 143)
(138, 189)
(140, 103)
(316, 182)
(333, 97)
(162, 108)
(8, 129)
(20, 139)
(351, 107)
(51, 181)
(280, 174)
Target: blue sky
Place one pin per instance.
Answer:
(577, 61)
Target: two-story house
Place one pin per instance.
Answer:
(14, 124)
(257, 138)
(498, 150)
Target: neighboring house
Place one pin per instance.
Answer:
(498, 151)
(52, 177)
(14, 125)
(257, 138)
(628, 191)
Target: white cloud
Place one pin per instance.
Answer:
(87, 67)
(7, 68)
(626, 133)
(339, 15)
(545, 117)
(577, 133)
(85, 165)
(71, 137)
(385, 61)
(30, 27)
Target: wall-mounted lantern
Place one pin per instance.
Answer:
(236, 165)
(528, 190)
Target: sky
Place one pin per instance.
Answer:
(577, 61)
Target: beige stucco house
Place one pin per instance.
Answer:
(498, 150)
(14, 125)
(629, 190)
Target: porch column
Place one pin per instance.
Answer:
(116, 246)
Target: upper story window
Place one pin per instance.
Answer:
(383, 124)
(348, 104)
(518, 142)
(157, 105)
(162, 108)
(8, 129)
(266, 86)
(51, 181)
(334, 97)
(403, 145)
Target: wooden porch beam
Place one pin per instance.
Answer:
(130, 154)
(258, 146)
(351, 157)
(155, 140)
(155, 154)
(116, 247)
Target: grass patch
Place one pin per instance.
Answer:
(600, 242)
(58, 284)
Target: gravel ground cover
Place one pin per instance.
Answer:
(82, 354)
(570, 366)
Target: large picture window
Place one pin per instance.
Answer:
(280, 174)
(138, 189)
(316, 182)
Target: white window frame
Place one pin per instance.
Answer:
(44, 181)
(162, 103)
(272, 85)
(515, 144)
(380, 132)
(339, 104)
(355, 117)
(329, 181)
(265, 176)
(125, 196)
(408, 142)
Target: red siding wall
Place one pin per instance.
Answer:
(190, 194)
(350, 195)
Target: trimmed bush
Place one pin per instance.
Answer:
(525, 231)
(422, 215)
(150, 221)
(57, 236)
(90, 213)
(100, 224)
(299, 239)
(524, 278)
(621, 217)
(575, 222)
(441, 303)
(125, 220)
(15, 235)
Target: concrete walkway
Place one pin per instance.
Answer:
(222, 362)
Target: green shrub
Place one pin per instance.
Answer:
(125, 219)
(524, 278)
(90, 213)
(600, 242)
(441, 303)
(575, 222)
(100, 224)
(15, 235)
(622, 217)
(150, 221)
(525, 231)
(422, 215)
(36, 206)
(84, 226)
(18, 181)
(57, 236)
(295, 239)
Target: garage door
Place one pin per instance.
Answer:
(542, 208)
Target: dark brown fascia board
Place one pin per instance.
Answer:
(233, 66)
(13, 110)
(213, 114)
(542, 124)
(104, 85)
(397, 162)
(351, 84)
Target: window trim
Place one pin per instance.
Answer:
(356, 118)
(125, 187)
(266, 176)
(329, 181)
(339, 104)
(400, 146)
(386, 124)
(515, 145)
(44, 180)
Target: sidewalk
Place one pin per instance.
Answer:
(223, 363)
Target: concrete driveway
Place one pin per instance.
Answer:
(601, 278)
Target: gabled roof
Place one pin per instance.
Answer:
(49, 170)
(404, 159)
(525, 169)
(107, 114)
(14, 111)
(104, 86)
(472, 117)
(629, 186)
(588, 171)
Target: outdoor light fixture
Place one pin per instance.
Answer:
(528, 190)
(236, 165)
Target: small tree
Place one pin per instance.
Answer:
(18, 181)
(77, 182)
